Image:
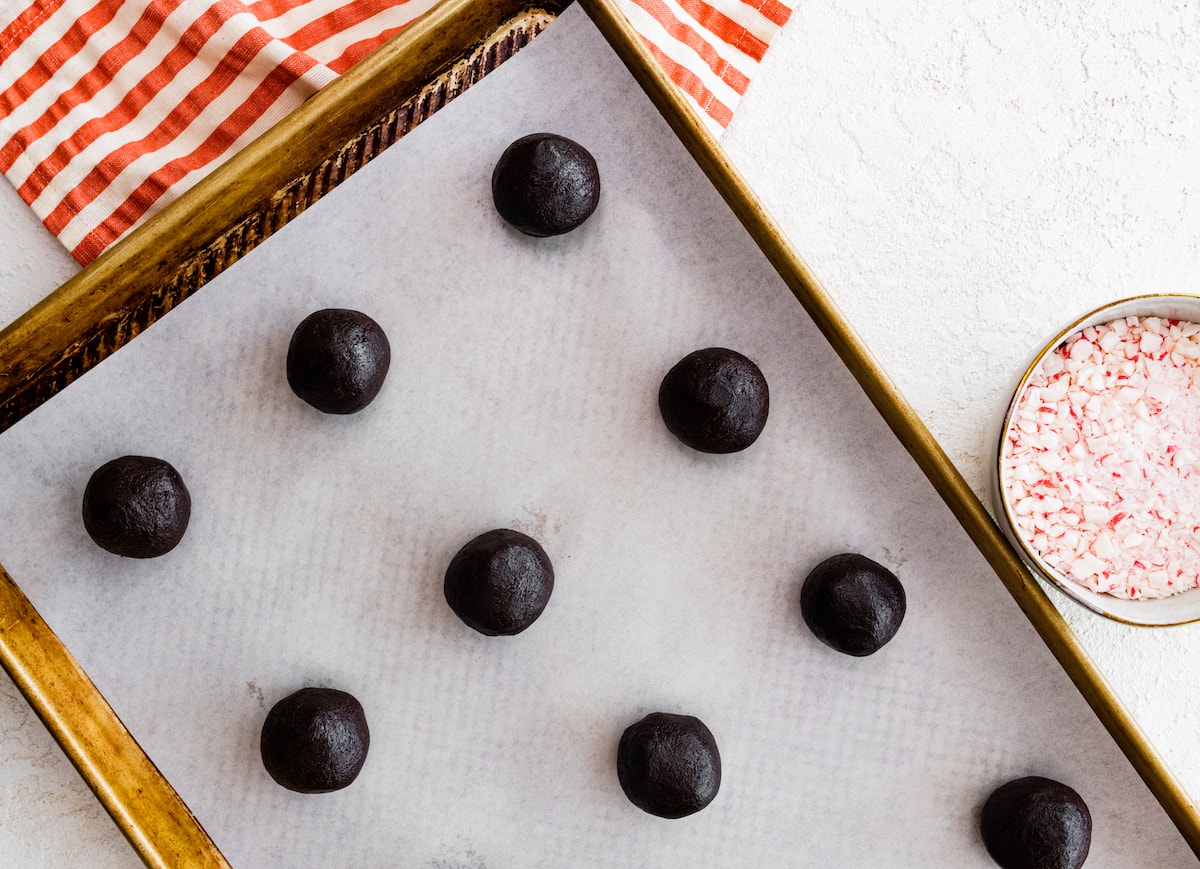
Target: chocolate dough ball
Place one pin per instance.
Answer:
(852, 604)
(337, 360)
(1036, 823)
(136, 506)
(668, 765)
(545, 184)
(500, 582)
(315, 741)
(714, 400)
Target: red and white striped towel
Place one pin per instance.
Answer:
(709, 49)
(110, 109)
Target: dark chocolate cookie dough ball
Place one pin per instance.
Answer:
(136, 506)
(1036, 823)
(852, 604)
(500, 582)
(714, 400)
(337, 360)
(668, 765)
(315, 741)
(545, 184)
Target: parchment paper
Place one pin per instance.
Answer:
(523, 394)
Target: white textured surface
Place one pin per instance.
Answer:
(32, 262)
(522, 393)
(966, 178)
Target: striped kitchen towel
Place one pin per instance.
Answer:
(710, 50)
(110, 109)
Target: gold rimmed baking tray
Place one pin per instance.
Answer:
(278, 177)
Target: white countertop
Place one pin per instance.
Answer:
(845, 763)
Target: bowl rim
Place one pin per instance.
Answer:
(1008, 521)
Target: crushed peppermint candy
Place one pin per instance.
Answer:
(1101, 459)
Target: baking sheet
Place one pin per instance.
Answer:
(992, 173)
(522, 394)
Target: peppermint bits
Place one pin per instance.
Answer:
(1101, 460)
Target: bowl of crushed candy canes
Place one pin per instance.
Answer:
(1097, 482)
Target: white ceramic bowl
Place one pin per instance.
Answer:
(1150, 612)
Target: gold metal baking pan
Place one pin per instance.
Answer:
(266, 185)
(155, 268)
